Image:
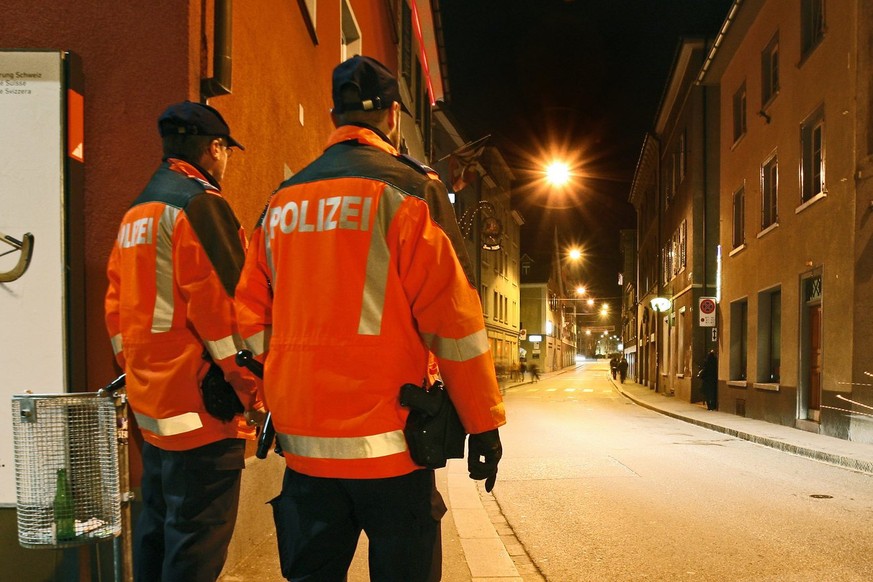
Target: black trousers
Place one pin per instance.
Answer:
(319, 521)
(190, 503)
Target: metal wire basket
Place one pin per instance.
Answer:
(76, 433)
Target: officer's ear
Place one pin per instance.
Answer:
(394, 117)
(215, 147)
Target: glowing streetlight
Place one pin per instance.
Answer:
(558, 173)
(580, 290)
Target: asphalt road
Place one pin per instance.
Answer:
(598, 488)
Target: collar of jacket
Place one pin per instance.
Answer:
(362, 134)
(192, 170)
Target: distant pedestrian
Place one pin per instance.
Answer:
(622, 369)
(534, 373)
(613, 366)
(709, 374)
(522, 368)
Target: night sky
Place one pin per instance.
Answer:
(579, 80)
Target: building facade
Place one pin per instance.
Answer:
(267, 67)
(675, 195)
(795, 85)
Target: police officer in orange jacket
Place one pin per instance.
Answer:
(170, 315)
(350, 285)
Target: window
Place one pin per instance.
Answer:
(769, 335)
(309, 8)
(406, 42)
(812, 25)
(740, 113)
(739, 339)
(770, 71)
(669, 183)
(350, 33)
(495, 307)
(682, 157)
(769, 192)
(812, 146)
(738, 238)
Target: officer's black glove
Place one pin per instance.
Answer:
(483, 454)
(219, 397)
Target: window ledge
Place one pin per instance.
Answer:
(770, 386)
(773, 226)
(680, 375)
(737, 250)
(810, 202)
(738, 383)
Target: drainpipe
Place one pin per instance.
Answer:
(222, 48)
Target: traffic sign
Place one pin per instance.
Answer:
(706, 305)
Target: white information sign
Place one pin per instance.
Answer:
(32, 342)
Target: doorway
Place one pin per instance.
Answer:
(811, 361)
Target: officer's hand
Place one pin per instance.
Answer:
(483, 454)
(256, 417)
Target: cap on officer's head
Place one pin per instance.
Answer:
(191, 118)
(376, 84)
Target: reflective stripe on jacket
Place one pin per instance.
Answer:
(349, 285)
(172, 274)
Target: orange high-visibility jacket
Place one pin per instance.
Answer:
(172, 275)
(348, 285)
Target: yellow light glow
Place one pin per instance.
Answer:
(580, 290)
(575, 254)
(558, 173)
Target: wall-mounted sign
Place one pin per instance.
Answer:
(706, 306)
(535, 338)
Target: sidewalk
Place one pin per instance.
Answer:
(827, 449)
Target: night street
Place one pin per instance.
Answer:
(598, 488)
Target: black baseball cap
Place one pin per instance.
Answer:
(376, 85)
(191, 118)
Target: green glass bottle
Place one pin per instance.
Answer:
(65, 527)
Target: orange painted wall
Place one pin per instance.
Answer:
(139, 57)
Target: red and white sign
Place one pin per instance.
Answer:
(706, 305)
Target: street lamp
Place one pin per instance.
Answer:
(558, 173)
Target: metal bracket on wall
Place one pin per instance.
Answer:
(25, 246)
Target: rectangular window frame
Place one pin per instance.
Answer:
(738, 235)
(769, 336)
(770, 192)
(739, 340)
(813, 160)
(739, 113)
(812, 26)
(309, 9)
(351, 43)
(770, 71)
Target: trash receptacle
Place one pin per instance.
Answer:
(66, 469)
